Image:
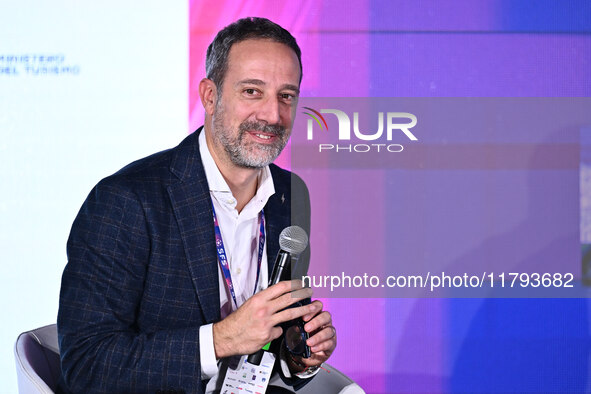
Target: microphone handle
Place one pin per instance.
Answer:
(281, 262)
(255, 358)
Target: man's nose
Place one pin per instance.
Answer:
(269, 111)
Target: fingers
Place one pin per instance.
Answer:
(323, 340)
(288, 299)
(281, 288)
(294, 313)
(276, 332)
(309, 316)
(324, 333)
(326, 348)
(318, 321)
(314, 360)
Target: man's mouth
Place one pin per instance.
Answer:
(263, 136)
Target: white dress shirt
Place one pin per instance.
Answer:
(240, 233)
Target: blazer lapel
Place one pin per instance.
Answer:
(288, 206)
(191, 203)
(277, 216)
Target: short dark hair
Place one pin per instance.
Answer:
(216, 60)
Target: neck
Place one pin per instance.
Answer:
(242, 181)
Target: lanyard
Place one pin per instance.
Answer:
(219, 245)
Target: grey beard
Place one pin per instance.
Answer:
(243, 155)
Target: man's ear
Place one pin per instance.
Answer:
(208, 94)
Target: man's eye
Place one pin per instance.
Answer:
(250, 92)
(287, 96)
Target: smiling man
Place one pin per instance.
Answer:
(165, 255)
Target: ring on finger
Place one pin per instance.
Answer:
(334, 330)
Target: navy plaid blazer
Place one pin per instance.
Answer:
(142, 274)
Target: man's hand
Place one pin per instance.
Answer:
(252, 326)
(322, 341)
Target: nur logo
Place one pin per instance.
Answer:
(318, 115)
(396, 122)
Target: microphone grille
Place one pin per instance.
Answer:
(293, 239)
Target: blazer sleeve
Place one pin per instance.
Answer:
(102, 350)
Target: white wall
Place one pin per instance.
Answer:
(123, 96)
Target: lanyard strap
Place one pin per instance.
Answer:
(223, 259)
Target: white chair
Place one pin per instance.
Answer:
(329, 380)
(37, 360)
(38, 368)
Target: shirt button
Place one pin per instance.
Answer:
(238, 271)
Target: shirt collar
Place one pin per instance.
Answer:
(217, 183)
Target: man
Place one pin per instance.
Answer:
(146, 303)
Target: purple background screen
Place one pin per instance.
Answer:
(440, 49)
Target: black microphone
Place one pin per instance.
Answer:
(293, 240)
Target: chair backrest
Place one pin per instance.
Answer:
(331, 380)
(37, 360)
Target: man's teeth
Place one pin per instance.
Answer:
(265, 137)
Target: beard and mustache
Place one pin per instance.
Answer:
(244, 152)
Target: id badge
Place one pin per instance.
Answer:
(249, 378)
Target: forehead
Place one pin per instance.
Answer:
(263, 59)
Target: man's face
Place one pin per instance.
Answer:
(253, 117)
